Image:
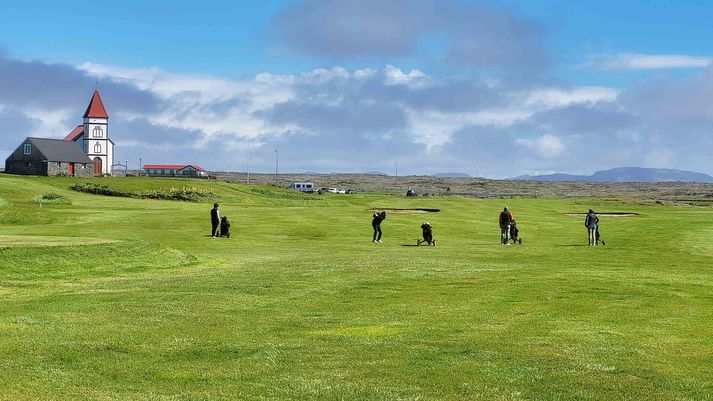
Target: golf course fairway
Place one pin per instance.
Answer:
(115, 298)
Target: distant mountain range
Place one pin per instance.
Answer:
(626, 174)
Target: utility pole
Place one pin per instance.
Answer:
(248, 167)
(126, 167)
(141, 167)
(396, 171)
(277, 163)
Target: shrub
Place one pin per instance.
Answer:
(181, 194)
(52, 198)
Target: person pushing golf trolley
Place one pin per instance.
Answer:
(505, 219)
(427, 232)
(591, 221)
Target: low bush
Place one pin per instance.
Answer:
(180, 194)
(52, 198)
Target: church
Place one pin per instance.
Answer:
(86, 151)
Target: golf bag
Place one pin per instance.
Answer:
(515, 233)
(224, 227)
(427, 233)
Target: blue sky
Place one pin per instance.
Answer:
(229, 38)
(331, 82)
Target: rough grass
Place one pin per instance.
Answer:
(299, 304)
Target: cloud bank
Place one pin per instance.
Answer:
(363, 119)
(635, 62)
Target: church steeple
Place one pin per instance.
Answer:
(96, 107)
(97, 144)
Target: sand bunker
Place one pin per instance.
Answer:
(608, 214)
(406, 211)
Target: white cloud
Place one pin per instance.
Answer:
(52, 121)
(547, 146)
(394, 76)
(547, 98)
(637, 61)
(365, 73)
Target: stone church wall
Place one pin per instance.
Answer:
(83, 170)
(62, 169)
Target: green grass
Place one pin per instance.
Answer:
(117, 298)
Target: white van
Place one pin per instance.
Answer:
(302, 186)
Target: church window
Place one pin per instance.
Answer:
(28, 149)
(97, 148)
(97, 132)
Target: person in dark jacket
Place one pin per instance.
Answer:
(592, 222)
(214, 219)
(376, 224)
(504, 221)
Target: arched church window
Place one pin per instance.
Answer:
(97, 132)
(97, 147)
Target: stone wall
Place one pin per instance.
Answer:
(57, 168)
(62, 169)
(83, 170)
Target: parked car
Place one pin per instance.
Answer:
(351, 191)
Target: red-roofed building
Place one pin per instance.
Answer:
(174, 170)
(96, 107)
(93, 136)
(91, 139)
(75, 133)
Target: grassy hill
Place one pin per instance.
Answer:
(119, 298)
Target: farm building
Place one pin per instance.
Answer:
(52, 157)
(174, 170)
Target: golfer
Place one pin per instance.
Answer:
(504, 220)
(591, 222)
(214, 219)
(376, 224)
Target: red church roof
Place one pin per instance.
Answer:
(96, 107)
(173, 166)
(76, 133)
